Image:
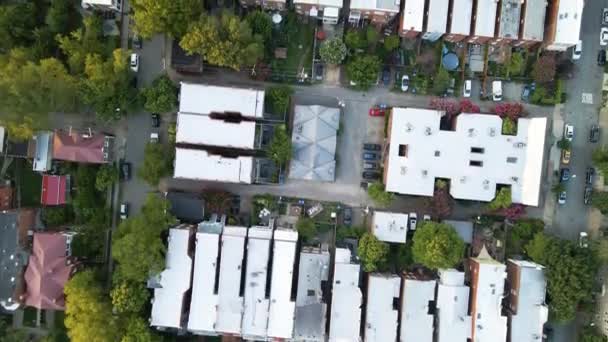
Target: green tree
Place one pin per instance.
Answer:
(306, 228)
(280, 146)
(363, 71)
(137, 246)
(377, 193)
(564, 144)
(278, 98)
(129, 297)
(516, 63)
(371, 35)
(333, 51)
(441, 82)
(372, 252)
(260, 23)
(88, 312)
(164, 16)
(224, 41)
(591, 334)
(161, 96)
(62, 16)
(508, 126)
(156, 164)
(437, 245)
(137, 330)
(570, 273)
(599, 199)
(391, 42)
(17, 21)
(82, 42)
(9, 334)
(502, 199)
(106, 176)
(355, 39)
(600, 160)
(521, 234)
(56, 216)
(86, 197)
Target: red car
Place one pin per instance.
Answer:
(377, 111)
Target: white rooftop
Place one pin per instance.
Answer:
(534, 20)
(376, 5)
(568, 25)
(99, 2)
(454, 322)
(532, 312)
(381, 317)
(200, 165)
(230, 309)
(485, 21)
(321, 3)
(390, 227)
(437, 18)
(416, 322)
(429, 153)
(282, 308)
(206, 99)
(488, 322)
(345, 319)
(311, 310)
(462, 12)
(413, 15)
(174, 281)
(203, 306)
(203, 130)
(255, 312)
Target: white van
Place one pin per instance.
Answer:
(466, 91)
(496, 91)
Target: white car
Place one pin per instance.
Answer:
(466, 90)
(583, 240)
(426, 217)
(153, 137)
(578, 50)
(413, 221)
(562, 198)
(496, 91)
(569, 132)
(124, 211)
(405, 83)
(604, 36)
(134, 63)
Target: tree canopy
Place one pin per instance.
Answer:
(82, 42)
(280, 146)
(372, 252)
(363, 71)
(391, 42)
(591, 334)
(156, 163)
(129, 297)
(355, 39)
(333, 51)
(161, 96)
(164, 16)
(137, 246)
(224, 41)
(137, 330)
(377, 193)
(599, 199)
(278, 98)
(441, 82)
(600, 160)
(17, 21)
(437, 245)
(306, 228)
(570, 273)
(106, 176)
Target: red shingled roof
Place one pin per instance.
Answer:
(74, 147)
(53, 190)
(47, 272)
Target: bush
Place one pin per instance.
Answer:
(509, 127)
(377, 193)
(372, 252)
(161, 96)
(278, 98)
(306, 228)
(333, 51)
(437, 245)
(441, 82)
(502, 199)
(363, 71)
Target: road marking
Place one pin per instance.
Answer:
(587, 98)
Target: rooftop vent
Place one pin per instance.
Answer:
(471, 132)
(463, 179)
(427, 131)
(492, 131)
(408, 127)
(424, 173)
(403, 170)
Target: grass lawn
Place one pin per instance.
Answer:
(295, 54)
(31, 183)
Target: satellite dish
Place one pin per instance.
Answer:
(277, 18)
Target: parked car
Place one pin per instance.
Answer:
(386, 75)
(124, 211)
(405, 82)
(525, 93)
(569, 132)
(370, 166)
(371, 156)
(601, 57)
(589, 175)
(413, 221)
(347, 216)
(466, 89)
(451, 85)
(319, 71)
(583, 240)
(370, 175)
(134, 64)
(125, 170)
(577, 51)
(561, 199)
(564, 174)
(566, 156)
(496, 91)
(587, 195)
(155, 120)
(137, 43)
(594, 134)
(377, 111)
(426, 217)
(372, 147)
(604, 36)
(363, 185)
(153, 137)
(605, 16)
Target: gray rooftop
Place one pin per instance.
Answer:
(534, 20)
(463, 228)
(186, 207)
(42, 158)
(314, 143)
(510, 13)
(12, 258)
(310, 307)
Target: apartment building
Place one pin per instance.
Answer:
(382, 315)
(436, 19)
(563, 24)
(412, 18)
(509, 14)
(417, 302)
(532, 28)
(376, 12)
(327, 11)
(484, 21)
(459, 22)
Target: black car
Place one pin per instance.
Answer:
(372, 147)
(605, 16)
(125, 170)
(319, 72)
(386, 76)
(370, 175)
(601, 57)
(565, 174)
(347, 216)
(155, 120)
(525, 94)
(137, 42)
(370, 156)
(589, 175)
(587, 195)
(594, 134)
